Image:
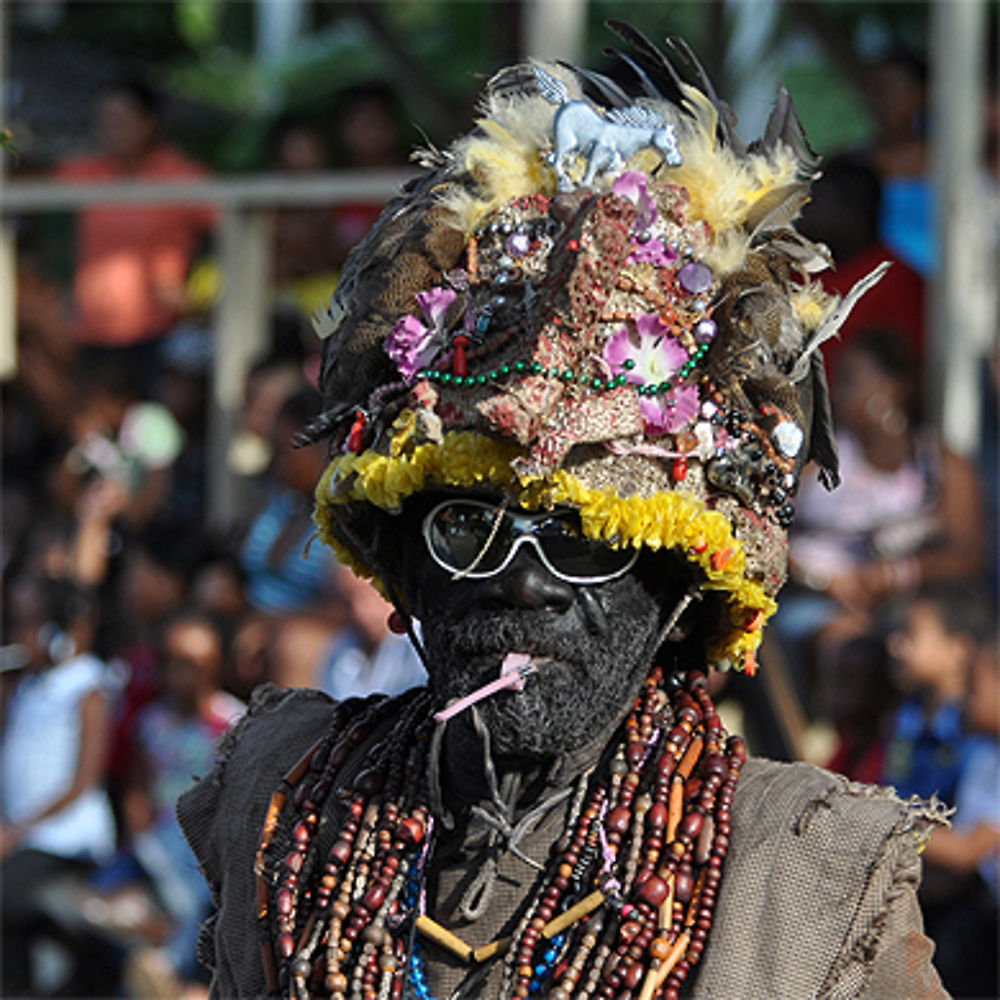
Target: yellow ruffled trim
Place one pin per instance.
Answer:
(665, 520)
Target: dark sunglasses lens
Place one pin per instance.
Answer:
(576, 556)
(460, 535)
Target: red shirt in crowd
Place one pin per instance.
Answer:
(132, 261)
(895, 303)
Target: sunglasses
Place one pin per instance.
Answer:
(474, 539)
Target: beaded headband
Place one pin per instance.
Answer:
(598, 300)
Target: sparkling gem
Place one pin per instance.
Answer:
(788, 438)
(704, 331)
(518, 244)
(536, 368)
(695, 277)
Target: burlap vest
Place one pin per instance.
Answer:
(818, 897)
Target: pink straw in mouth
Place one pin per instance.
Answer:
(514, 670)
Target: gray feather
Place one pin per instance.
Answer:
(822, 442)
(611, 93)
(551, 88)
(835, 320)
(649, 88)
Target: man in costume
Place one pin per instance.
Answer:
(571, 379)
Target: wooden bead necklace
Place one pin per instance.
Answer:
(627, 901)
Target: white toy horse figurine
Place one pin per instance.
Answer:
(606, 141)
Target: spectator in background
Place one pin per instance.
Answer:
(368, 138)
(897, 90)
(289, 581)
(132, 261)
(843, 213)
(117, 436)
(173, 739)
(857, 694)
(944, 628)
(56, 818)
(366, 656)
(908, 513)
(944, 741)
(305, 267)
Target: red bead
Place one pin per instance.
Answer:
(691, 825)
(683, 887)
(656, 818)
(618, 820)
(374, 897)
(354, 439)
(410, 830)
(301, 833)
(341, 851)
(633, 975)
(284, 901)
(679, 469)
(654, 890)
(459, 365)
(286, 945)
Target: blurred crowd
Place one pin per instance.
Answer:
(135, 633)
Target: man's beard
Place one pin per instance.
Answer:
(589, 671)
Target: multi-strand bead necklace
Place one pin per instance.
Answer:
(624, 907)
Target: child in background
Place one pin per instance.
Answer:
(961, 863)
(936, 750)
(56, 818)
(928, 745)
(174, 739)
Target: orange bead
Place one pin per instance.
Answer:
(659, 948)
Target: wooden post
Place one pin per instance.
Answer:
(241, 333)
(963, 293)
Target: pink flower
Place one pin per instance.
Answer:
(670, 412)
(632, 186)
(411, 344)
(656, 359)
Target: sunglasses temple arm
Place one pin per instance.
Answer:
(693, 593)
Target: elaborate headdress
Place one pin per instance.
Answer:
(594, 299)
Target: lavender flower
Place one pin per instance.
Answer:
(413, 345)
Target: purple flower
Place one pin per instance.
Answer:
(434, 304)
(411, 344)
(651, 252)
(632, 185)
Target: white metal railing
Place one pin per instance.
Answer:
(244, 253)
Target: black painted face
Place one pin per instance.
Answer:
(593, 644)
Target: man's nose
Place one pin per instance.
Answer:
(526, 583)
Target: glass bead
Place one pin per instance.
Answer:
(480, 380)
(695, 277)
(628, 364)
(536, 368)
(519, 366)
(505, 369)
